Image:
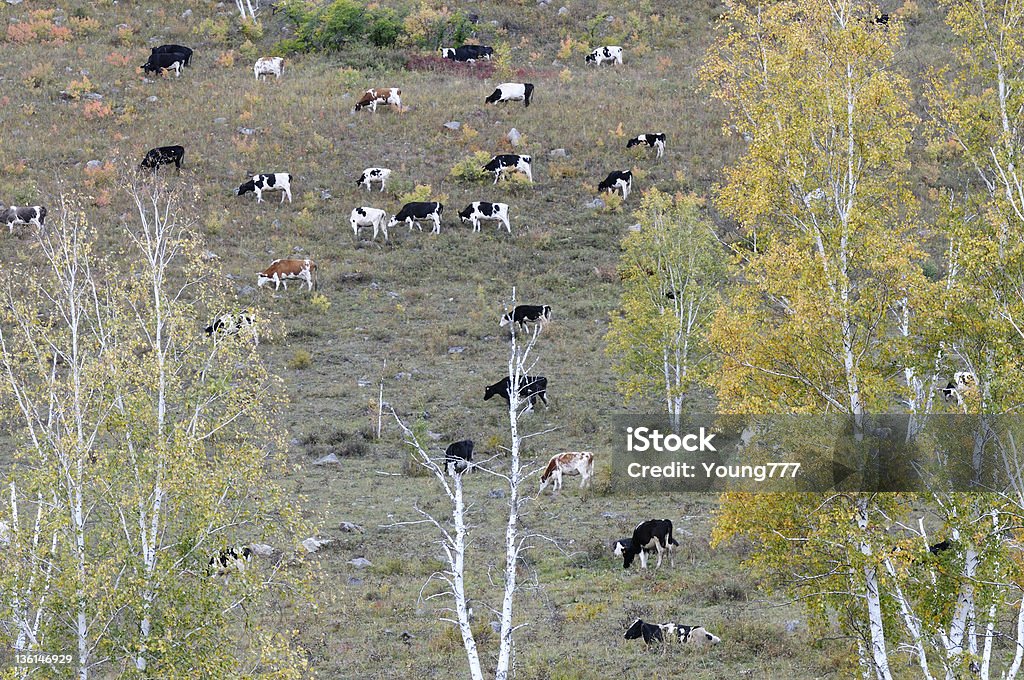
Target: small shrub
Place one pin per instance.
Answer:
(84, 25)
(504, 69)
(101, 176)
(300, 360)
(118, 59)
(226, 59)
(40, 75)
(930, 270)
(320, 303)
(470, 169)
(612, 202)
(218, 29)
(565, 76)
(76, 88)
(422, 192)
(582, 612)
(251, 30)
(94, 110)
(564, 171)
(385, 29)
(248, 50)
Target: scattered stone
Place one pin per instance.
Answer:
(246, 131)
(609, 19)
(404, 375)
(262, 549)
(14, 2)
(495, 493)
(220, 121)
(453, 125)
(327, 460)
(355, 581)
(349, 527)
(209, 256)
(558, 153)
(152, 99)
(595, 204)
(247, 290)
(5, 533)
(634, 227)
(312, 544)
(433, 436)
(94, 96)
(325, 195)
(276, 224)
(792, 625)
(514, 137)
(496, 625)
(360, 563)
(186, 14)
(298, 249)
(94, 165)
(563, 10)
(456, 350)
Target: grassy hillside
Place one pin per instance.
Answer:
(426, 304)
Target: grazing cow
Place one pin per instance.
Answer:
(623, 544)
(618, 179)
(163, 155)
(654, 140)
(413, 213)
(697, 636)
(275, 181)
(469, 53)
(955, 389)
(266, 66)
(369, 217)
(280, 271)
(512, 92)
(458, 457)
(171, 49)
(230, 559)
(510, 162)
(380, 95)
(524, 314)
(570, 463)
(160, 61)
(654, 533)
(531, 388)
(940, 547)
(882, 19)
(373, 175)
(35, 214)
(479, 211)
(232, 324)
(612, 54)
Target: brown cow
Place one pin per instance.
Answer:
(280, 271)
(380, 95)
(571, 463)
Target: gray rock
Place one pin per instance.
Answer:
(404, 375)
(355, 581)
(495, 493)
(94, 96)
(453, 125)
(360, 563)
(329, 459)
(609, 19)
(186, 14)
(496, 626)
(246, 131)
(595, 204)
(220, 121)
(456, 350)
(14, 2)
(792, 626)
(298, 249)
(563, 10)
(209, 256)
(247, 290)
(314, 543)
(350, 527)
(152, 99)
(433, 436)
(276, 224)
(325, 195)
(514, 137)
(558, 153)
(94, 165)
(262, 549)
(634, 227)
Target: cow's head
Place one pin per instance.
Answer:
(591, 58)
(491, 390)
(466, 212)
(447, 53)
(245, 188)
(506, 320)
(633, 142)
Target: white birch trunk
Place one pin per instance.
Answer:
(879, 652)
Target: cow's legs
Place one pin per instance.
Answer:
(658, 545)
(643, 558)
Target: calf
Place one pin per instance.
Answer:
(469, 53)
(524, 314)
(171, 49)
(512, 92)
(458, 457)
(510, 162)
(12, 215)
(479, 211)
(618, 179)
(531, 388)
(163, 155)
(160, 61)
(267, 66)
(230, 559)
(280, 271)
(276, 181)
(570, 463)
(380, 95)
(654, 140)
(232, 324)
(671, 632)
(652, 534)
(413, 213)
(373, 175)
(612, 54)
(369, 217)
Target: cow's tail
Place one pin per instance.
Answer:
(312, 266)
(552, 464)
(529, 94)
(669, 539)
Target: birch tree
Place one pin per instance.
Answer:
(671, 270)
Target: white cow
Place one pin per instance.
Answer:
(369, 217)
(266, 66)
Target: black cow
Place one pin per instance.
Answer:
(163, 60)
(467, 52)
(654, 632)
(180, 49)
(654, 533)
(524, 314)
(940, 547)
(882, 19)
(511, 92)
(655, 140)
(413, 213)
(618, 179)
(531, 388)
(510, 162)
(11, 215)
(458, 457)
(232, 324)
(163, 155)
(230, 559)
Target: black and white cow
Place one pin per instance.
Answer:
(230, 559)
(524, 314)
(957, 387)
(458, 457)
(531, 388)
(11, 215)
(618, 179)
(171, 49)
(612, 54)
(163, 155)
(369, 217)
(275, 181)
(654, 140)
(696, 636)
(373, 175)
(268, 66)
(160, 61)
(654, 533)
(468, 53)
(479, 211)
(413, 213)
(232, 324)
(510, 162)
(512, 92)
